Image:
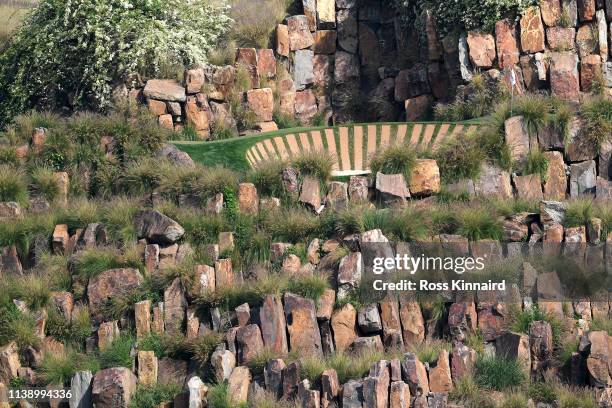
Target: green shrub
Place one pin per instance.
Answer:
(514, 400)
(578, 212)
(202, 347)
(464, 14)
(83, 76)
(118, 353)
(153, 396)
(94, 261)
(571, 397)
(215, 180)
(16, 326)
(285, 120)
(350, 367)
(117, 216)
(460, 158)
(218, 397)
(536, 163)
(152, 342)
(562, 115)
(245, 118)
(293, 225)
(408, 225)
(395, 159)
(13, 185)
(522, 319)
(603, 211)
(309, 286)
(267, 177)
(477, 224)
(602, 324)
(44, 183)
(254, 23)
(314, 164)
(597, 114)
(429, 351)
(60, 368)
(349, 221)
(8, 156)
(498, 373)
(534, 110)
(542, 392)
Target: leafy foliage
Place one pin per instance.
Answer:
(83, 49)
(467, 14)
(498, 373)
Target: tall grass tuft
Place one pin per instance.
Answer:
(44, 183)
(597, 114)
(315, 164)
(498, 373)
(13, 185)
(394, 159)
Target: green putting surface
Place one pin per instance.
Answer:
(352, 145)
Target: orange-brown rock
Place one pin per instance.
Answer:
(482, 49)
(425, 178)
(261, 102)
(551, 12)
(147, 368)
(113, 387)
(532, 31)
(343, 322)
(440, 376)
(248, 200)
(529, 187)
(507, 43)
(555, 180)
(282, 40)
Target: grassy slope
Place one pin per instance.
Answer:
(231, 153)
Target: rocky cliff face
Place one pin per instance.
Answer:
(354, 60)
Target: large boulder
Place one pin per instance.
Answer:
(343, 322)
(300, 36)
(346, 20)
(165, 90)
(111, 284)
(261, 102)
(425, 178)
(272, 321)
(482, 49)
(507, 43)
(493, 181)
(238, 385)
(303, 68)
(412, 82)
(113, 388)
(301, 317)
(157, 228)
(175, 305)
(9, 362)
(517, 138)
(248, 343)
(248, 200)
(583, 178)
(176, 156)
(392, 188)
(564, 77)
(555, 180)
(80, 388)
(597, 344)
(551, 12)
(532, 31)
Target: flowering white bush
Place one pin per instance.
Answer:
(72, 53)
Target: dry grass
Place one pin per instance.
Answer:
(12, 13)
